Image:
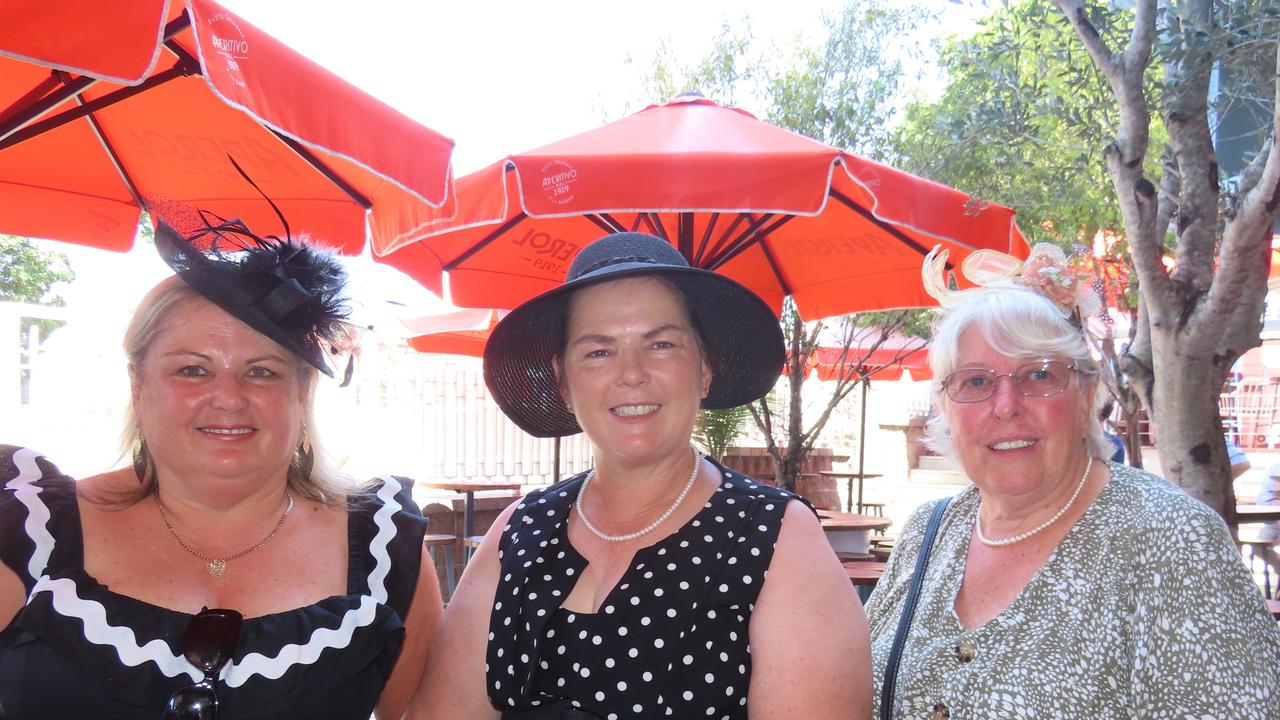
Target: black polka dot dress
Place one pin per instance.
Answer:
(670, 640)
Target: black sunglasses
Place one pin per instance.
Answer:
(208, 642)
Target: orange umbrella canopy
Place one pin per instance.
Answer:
(779, 212)
(110, 107)
(887, 361)
(456, 333)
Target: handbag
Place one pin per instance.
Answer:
(909, 610)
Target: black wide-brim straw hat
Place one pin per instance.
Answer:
(740, 334)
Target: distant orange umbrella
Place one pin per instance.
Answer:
(110, 107)
(779, 212)
(886, 361)
(457, 333)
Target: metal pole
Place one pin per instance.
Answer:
(862, 440)
(555, 460)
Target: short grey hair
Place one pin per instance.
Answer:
(1015, 322)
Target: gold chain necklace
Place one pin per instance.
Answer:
(217, 567)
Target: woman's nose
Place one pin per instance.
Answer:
(632, 369)
(1006, 399)
(229, 392)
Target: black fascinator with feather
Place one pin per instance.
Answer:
(288, 291)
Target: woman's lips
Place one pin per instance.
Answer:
(1011, 444)
(230, 432)
(630, 411)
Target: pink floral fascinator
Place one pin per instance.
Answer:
(1045, 271)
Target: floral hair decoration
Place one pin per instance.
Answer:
(1046, 271)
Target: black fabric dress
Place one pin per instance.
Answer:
(670, 640)
(78, 650)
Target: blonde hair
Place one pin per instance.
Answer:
(1015, 323)
(324, 484)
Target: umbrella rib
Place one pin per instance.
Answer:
(706, 238)
(484, 242)
(757, 237)
(91, 106)
(655, 224)
(604, 225)
(114, 156)
(323, 169)
(14, 120)
(895, 232)
(743, 241)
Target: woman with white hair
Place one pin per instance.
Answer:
(1059, 584)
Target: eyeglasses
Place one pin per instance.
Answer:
(1043, 378)
(208, 642)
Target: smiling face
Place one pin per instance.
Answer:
(632, 370)
(1011, 444)
(217, 399)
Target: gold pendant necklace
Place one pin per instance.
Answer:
(217, 567)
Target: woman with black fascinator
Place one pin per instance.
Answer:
(228, 573)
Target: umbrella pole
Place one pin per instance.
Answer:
(555, 461)
(862, 442)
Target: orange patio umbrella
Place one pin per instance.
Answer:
(110, 107)
(776, 211)
(886, 360)
(463, 332)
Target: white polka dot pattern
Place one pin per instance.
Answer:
(1144, 610)
(670, 640)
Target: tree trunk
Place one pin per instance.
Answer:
(1195, 321)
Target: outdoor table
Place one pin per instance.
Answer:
(850, 477)
(850, 532)
(469, 488)
(1257, 513)
(864, 573)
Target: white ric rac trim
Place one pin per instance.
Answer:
(37, 523)
(97, 631)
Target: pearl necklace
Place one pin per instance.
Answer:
(977, 518)
(697, 465)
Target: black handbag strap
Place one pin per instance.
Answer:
(909, 610)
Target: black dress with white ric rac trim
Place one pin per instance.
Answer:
(78, 650)
(670, 640)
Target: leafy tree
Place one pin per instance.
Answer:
(1018, 122)
(842, 91)
(28, 274)
(1188, 63)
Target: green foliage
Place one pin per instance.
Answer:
(28, 274)
(716, 430)
(845, 91)
(1022, 122)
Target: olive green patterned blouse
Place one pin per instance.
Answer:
(1144, 611)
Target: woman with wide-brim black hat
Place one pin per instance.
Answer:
(660, 583)
(229, 572)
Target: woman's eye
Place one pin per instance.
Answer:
(976, 381)
(1040, 375)
(192, 371)
(663, 345)
(261, 372)
(597, 353)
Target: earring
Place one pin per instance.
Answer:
(568, 405)
(305, 460)
(141, 458)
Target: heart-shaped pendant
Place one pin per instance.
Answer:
(217, 568)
